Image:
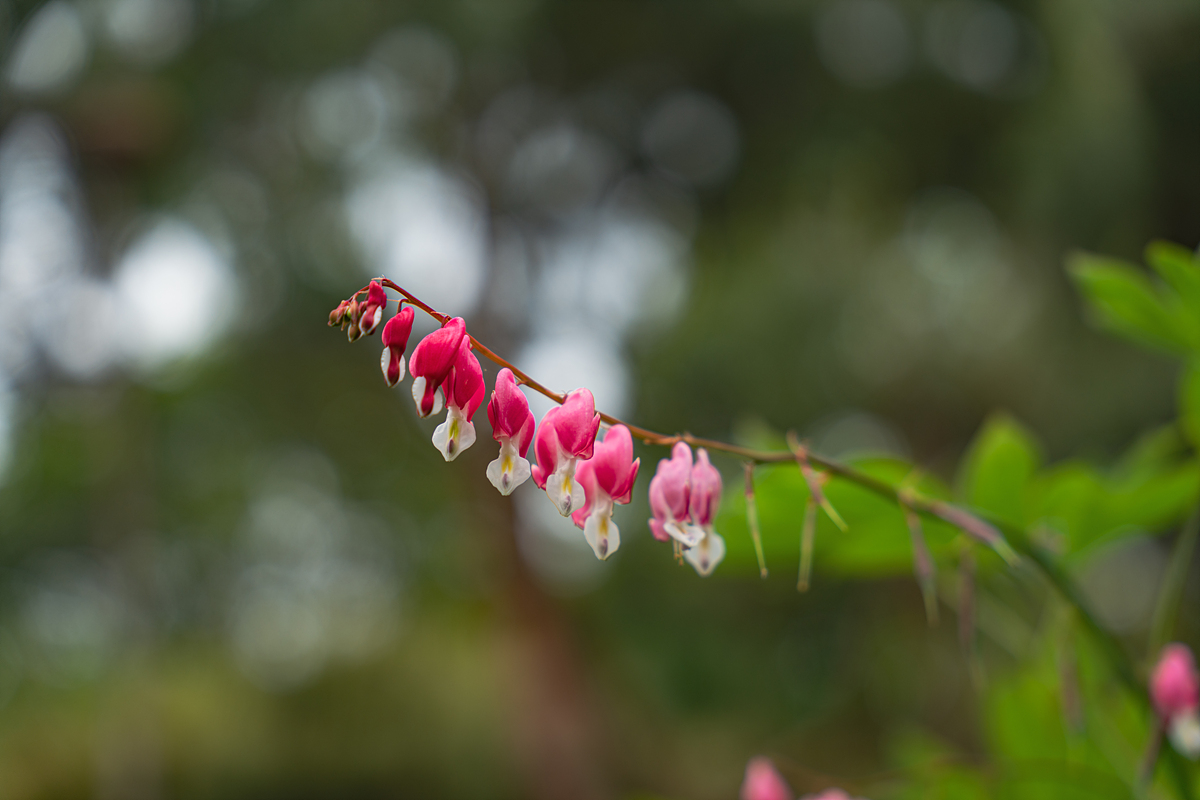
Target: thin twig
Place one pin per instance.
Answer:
(752, 519)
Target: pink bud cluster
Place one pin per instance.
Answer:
(763, 782)
(582, 476)
(1175, 690)
(684, 498)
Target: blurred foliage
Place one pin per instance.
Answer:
(244, 572)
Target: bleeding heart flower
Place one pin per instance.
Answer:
(464, 392)
(431, 362)
(395, 341)
(762, 781)
(703, 503)
(512, 426)
(566, 435)
(607, 478)
(670, 491)
(371, 312)
(1175, 689)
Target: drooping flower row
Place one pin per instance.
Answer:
(584, 477)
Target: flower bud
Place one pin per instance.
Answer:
(338, 315)
(352, 314)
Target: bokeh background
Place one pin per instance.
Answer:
(231, 563)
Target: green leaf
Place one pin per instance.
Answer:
(1180, 268)
(1189, 403)
(998, 469)
(1153, 502)
(1154, 451)
(1067, 498)
(1126, 302)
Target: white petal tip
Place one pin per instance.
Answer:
(601, 533)
(508, 471)
(705, 556)
(454, 435)
(1185, 734)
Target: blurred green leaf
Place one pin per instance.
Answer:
(1189, 403)
(1153, 501)
(1152, 452)
(1180, 268)
(998, 468)
(1067, 498)
(1126, 302)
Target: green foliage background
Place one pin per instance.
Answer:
(805, 309)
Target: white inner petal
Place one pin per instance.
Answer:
(454, 435)
(707, 554)
(686, 535)
(1185, 733)
(509, 470)
(562, 488)
(600, 531)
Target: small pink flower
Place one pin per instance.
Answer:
(512, 426)
(431, 362)
(703, 503)
(763, 782)
(1175, 690)
(566, 435)
(395, 341)
(464, 391)
(371, 312)
(607, 478)
(670, 491)
(828, 794)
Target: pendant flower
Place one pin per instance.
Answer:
(431, 362)
(703, 503)
(463, 391)
(607, 478)
(395, 341)
(670, 491)
(1175, 689)
(512, 426)
(762, 781)
(567, 434)
(371, 312)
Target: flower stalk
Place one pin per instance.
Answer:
(752, 520)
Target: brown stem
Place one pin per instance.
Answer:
(961, 518)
